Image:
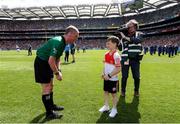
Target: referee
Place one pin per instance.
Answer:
(46, 65)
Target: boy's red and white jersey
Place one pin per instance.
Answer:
(111, 61)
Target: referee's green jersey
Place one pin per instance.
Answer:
(54, 47)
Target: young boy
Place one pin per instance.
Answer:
(112, 67)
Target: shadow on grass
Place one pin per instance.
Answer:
(40, 119)
(66, 63)
(127, 112)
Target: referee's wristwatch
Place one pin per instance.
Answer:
(109, 76)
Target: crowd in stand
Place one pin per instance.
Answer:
(153, 41)
(88, 44)
(92, 44)
(162, 29)
(11, 45)
(96, 43)
(144, 18)
(163, 45)
(162, 40)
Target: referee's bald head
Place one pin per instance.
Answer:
(71, 28)
(71, 34)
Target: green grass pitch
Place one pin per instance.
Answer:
(81, 92)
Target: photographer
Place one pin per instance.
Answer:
(131, 55)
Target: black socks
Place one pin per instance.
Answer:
(51, 98)
(46, 99)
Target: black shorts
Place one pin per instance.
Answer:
(42, 71)
(72, 51)
(111, 86)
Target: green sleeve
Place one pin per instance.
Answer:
(54, 48)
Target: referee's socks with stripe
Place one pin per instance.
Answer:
(50, 114)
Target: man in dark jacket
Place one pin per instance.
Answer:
(131, 56)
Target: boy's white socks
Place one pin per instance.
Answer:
(104, 108)
(113, 112)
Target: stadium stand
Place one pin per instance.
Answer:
(161, 26)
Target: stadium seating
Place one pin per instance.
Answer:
(92, 31)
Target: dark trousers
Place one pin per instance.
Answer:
(66, 58)
(135, 69)
(176, 52)
(29, 52)
(169, 54)
(159, 53)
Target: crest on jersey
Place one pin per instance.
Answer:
(54, 50)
